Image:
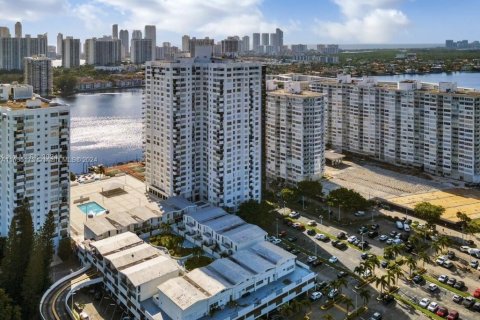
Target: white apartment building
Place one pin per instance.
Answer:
(294, 132)
(34, 145)
(430, 126)
(151, 285)
(38, 73)
(202, 129)
(213, 226)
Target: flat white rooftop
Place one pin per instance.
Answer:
(121, 241)
(150, 270)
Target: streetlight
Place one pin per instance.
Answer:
(276, 219)
(321, 219)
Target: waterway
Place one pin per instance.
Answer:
(107, 127)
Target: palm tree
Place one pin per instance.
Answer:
(382, 282)
(397, 249)
(411, 263)
(443, 242)
(395, 271)
(286, 310)
(365, 294)
(424, 256)
(348, 304)
(360, 269)
(165, 227)
(373, 262)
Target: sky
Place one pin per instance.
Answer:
(303, 21)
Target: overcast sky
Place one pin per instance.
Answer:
(303, 21)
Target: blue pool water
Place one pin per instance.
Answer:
(92, 207)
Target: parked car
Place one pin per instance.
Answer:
(474, 264)
(294, 215)
(476, 306)
(442, 312)
(321, 236)
(451, 255)
(372, 234)
(464, 248)
(459, 285)
(433, 306)
(316, 263)
(424, 302)
(468, 302)
(432, 287)
(363, 245)
(295, 251)
(311, 232)
(374, 226)
(376, 316)
(399, 225)
(359, 214)
(443, 278)
(352, 239)
(332, 293)
(406, 227)
(314, 296)
(457, 299)
(362, 230)
(310, 259)
(451, 282)
(311, 223)
(447, 264)
(335, 242)
(342, 274)
(341, 245)
(276, 241)
(333, 259)
(383, 237)
(387, 298)
(418, 279)
(440, 260)
(321, 285)
(384, 264)
(364, 256)
(476, 293)
(341, 235)
(282, 233)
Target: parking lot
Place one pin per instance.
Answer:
(350, 258)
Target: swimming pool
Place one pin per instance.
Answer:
(92, 208)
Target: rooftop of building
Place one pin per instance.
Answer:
(132, 256)
(117, 243)
(150, 270)
(244, 233)
(301, 94)
(207, 213)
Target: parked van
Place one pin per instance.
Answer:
(399, 225)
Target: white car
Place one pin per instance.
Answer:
(389, 241)
(383, 237)
(359, 214)
(296, 224)
(320, 236)
(333, 259)
(367, 273)
(432, 287)
(352, 239)
(294, 215)
(433, 306)
(465, 248)
(443, 278)
(311, 258)
(424, 302)
(440, 261)
(276, 241)
(311, 223)
(406, 227)
(314, 296)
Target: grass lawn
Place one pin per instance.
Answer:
(197, 262)
(173, 243)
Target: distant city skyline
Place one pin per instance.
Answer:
(308, 21)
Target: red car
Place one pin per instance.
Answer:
(442, 312)
(282, 233)
(476, 293)
(453, 315)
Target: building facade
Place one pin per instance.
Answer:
(103, 51)
(18, 29)
(294, 126)
(202, 129)
(151, 33)
(70, 53)
(124, 38)
(141, 51)
(433, 127)
(14, 50)
(38, 73)
(35, 134)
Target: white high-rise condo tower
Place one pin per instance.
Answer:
(202, 129)
(34, 144)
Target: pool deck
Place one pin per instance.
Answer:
(135, 195)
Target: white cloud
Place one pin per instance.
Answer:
(31, 10)
(91, 15)
(197, 17)
(365, 21)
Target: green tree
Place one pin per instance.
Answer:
(34, 281)
(382, 282)
(373, 263)
(429, 212)
(66, 84)
(47, 248)
(411, 263)
(348, 304)
(365, 294)
(17, 251)
(288, 195)
(347, 199)
(8, 311)
(424, 256)
(65, 249)
(310, 189)
(261, 214)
